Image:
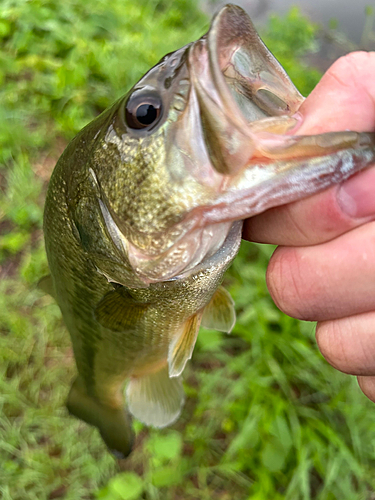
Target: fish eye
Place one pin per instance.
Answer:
(142, 111)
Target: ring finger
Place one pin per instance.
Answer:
(348, 344)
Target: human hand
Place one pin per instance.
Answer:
(324, 269)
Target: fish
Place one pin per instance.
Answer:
(144, 211)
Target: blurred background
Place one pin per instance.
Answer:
(266, 418)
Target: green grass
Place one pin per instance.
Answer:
(266, 417)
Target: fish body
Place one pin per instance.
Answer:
(144, 208)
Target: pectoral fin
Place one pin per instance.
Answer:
(46, 285)
(182, 345)
(219, 314)
(118, 311)
(155, 399)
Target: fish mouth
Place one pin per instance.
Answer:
(248, 110)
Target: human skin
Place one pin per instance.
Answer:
(324, 268)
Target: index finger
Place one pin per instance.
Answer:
(344, 99)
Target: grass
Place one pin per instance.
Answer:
(266, 417)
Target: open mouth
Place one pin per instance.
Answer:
(248, 109)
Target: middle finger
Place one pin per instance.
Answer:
(328, 281)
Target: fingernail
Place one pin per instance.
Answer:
(356, 196)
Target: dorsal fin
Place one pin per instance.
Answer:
(182, 346)
(219, 314)
(118, 311)
(46, 285)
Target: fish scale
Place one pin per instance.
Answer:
(143, 215)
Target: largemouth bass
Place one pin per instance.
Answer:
(144, 208)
